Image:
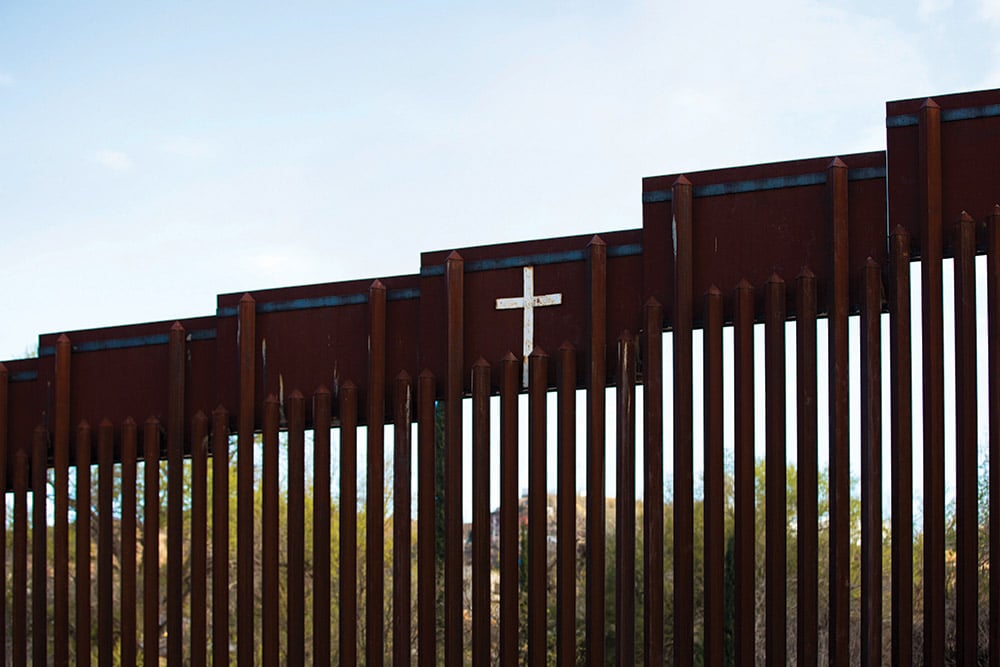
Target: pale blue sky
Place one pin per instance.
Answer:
(151, 158)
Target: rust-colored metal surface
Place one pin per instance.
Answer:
(871, 464)
(83, 498)
(566, 509)
(715, 501)
(807, 517)
(467, 325)
(625, 505)
(775, 516)
(901, 416)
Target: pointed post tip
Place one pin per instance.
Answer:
(177, 326)
(567, 347)
(426, 374)
(837, 163)
(322, 390)
(682, 181)
(454, 256)
(105, 423)
(806, 274)
(152, 421)
(481, 362)
(930, 103)
(84, 425)
(653, 302)
(246, 298)
(744, 284)
(509, 357)
(596, 240)
(899, 230)
(870, 263)
(775, 279)
(538, 352)
(965, 217)
(376, 285)
(403, 376)
(296, 395)
(62, 340)
(713, 291)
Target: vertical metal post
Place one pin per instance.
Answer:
(967, 456)
(807, 520)
(295, 616)
(625, 489)
(175, 495)
(453, 566)
(128, 601)
(60, 533)
(931, 242)
(652, 459)
(270, 619)
(19, 566)
(481, 512)
(901, 394)
(402, 523)
(871, 465)
(322, 419)
(426, 586)
(349, 524)
(510, 383)
(775, 519)
(83, 501)
(715, 547)
(39, 565)
(151, 542)
(743, 491)
(199, 539)
(597, 376)
(105, 541)
(683, 426)
(537, 496)
(244, 482)
(993, 311)
(566, 508)
(840, 471)
(220, 537)
(375, 515)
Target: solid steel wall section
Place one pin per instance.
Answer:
(426, 586)
(966, 459)
(652, 459)
(683, 426)
(60, 533)
(375, 513)
(775, 519)
(807, 519)
(871, 465)
(175, 495)
(901, 393)
(296, 601)
(19, 566)
(39, 564)
(322, 418)
(151, 542)
(199, 532)
(537, 494)
(454, 387)
(105, 542)
(82, 564)
(220, 537)
(933, 379)
(270, 619)
(597, 278)
(993, 311)
(715, 493)
(743, 491)
(840, 452)
(510, 383)
(625, 505)
(128, 610)
(244, 484)
(402, 522)
(566, 510)
(481, 512)
(349, 524)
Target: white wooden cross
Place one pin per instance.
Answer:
(529, 302)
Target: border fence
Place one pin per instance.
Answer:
(720, 253)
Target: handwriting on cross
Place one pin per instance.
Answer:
(529, 302)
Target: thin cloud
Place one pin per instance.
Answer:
(6, 79)
(187, 147)
(114, 160)
(990, 10)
